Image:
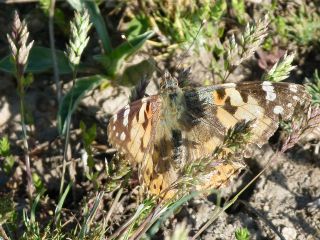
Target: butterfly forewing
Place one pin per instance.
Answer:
(130, 129)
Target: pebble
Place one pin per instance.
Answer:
(289, 233)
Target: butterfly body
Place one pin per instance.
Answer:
(163, 133)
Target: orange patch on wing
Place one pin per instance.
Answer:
(218, 99)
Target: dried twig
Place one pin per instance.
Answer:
(53, 49)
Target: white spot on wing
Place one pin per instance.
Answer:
(289, 105)
(295, 98)
(126, 117)
(269, 89)
(235, 97)
(122, 136)
(114, 127)
(278, 109)
(115, 117)
(117, 134)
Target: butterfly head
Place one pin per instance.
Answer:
(169, 83)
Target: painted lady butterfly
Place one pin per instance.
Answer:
(162, 133)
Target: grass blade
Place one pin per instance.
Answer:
(61, 202)
(35, 204)
(88, 219)
(99, 24)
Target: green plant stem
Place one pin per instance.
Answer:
(67, 137)
(25, 136)
(53, 49)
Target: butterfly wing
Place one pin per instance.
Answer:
(129, 130)
(132, 131)
(221, 107)
(210, 112)
(227, 104)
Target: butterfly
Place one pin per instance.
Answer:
(163, 133)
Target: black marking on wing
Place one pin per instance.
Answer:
(195, 109)
(177, 143)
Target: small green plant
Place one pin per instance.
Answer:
(303, 25)
(79, 39)
(280, 70)
(313, 87)
(6, 154)
(238, 6)
(240, 48)
(242, 234)
(176, 24)
(88, 136)
(20, 50)
(298, 24)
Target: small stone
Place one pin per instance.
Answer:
(289, 233)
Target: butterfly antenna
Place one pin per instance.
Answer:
(185, 54)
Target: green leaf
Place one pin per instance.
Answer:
(313, 87)
(99, 24)
(40, 60)
(238, 6)
(35, 203)
(74, 96)
(36, 179)
(114, 60)
(138, 25)
(90, 216)
(4, 146)
(5, 152)
(61, 202)
(44, 5)
(242, 234)
(218, 10)
(8, 164)
(76, 4)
